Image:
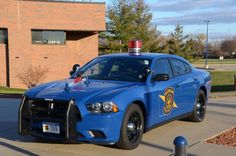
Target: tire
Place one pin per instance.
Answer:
(199, 110)
(132, 128)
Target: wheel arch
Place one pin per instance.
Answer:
(143, 108)
(203, 88)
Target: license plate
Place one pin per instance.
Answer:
(49, 127)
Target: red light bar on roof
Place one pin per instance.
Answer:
(135, 47)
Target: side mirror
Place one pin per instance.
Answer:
(74, 69)
(161, 77)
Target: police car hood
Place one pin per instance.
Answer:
(67, 89)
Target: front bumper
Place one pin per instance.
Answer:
(100, 128)
(76, 123)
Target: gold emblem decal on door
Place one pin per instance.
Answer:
(168, 99)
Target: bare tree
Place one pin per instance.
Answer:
(215, 49)
(32, 75)
(228, 46)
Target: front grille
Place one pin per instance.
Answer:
(51, 111)
(55, 110)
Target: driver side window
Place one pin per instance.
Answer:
(95, 70)
(162, 66)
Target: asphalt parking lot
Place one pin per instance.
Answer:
(221, 115)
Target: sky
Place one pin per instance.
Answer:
(191, 15)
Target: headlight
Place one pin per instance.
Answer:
(96, 107)
(102, 107)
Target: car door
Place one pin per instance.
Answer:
(162, 93)
(184, 85)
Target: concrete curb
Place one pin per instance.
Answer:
(214, 95)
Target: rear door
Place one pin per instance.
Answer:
(184, 85)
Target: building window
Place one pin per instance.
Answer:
(3, 36)
(48, 37)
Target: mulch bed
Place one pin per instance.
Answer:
(227, 138)
(14, 96)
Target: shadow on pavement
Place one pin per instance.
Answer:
(162, 148)
(9, 131)
(156, 146)
(18, 149)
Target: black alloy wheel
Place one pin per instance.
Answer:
(132, 128)
(199, 111)
(201, 107)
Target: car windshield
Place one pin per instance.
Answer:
(116, 69)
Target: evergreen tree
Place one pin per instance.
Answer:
(199, 45)
(180, 44)
(128, 20)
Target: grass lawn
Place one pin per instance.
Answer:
(215, 61)
(6, 90)
(222, 80)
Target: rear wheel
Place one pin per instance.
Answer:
(199, 111)
(132, 128)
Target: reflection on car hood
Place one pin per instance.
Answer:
(67, 89)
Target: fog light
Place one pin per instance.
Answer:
(91, 133)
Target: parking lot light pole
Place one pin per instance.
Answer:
(206, 49)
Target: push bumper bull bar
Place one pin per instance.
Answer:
(25, 121)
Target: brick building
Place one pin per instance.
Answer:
(54, 34)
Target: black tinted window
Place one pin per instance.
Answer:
(180, 67)
(3, 35)
(48, 37)
(163, 67)
(117, 68)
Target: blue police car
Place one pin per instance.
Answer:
(115, 98)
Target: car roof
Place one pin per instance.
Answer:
(143, 55)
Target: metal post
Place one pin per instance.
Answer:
(235, 82)
(180, 144)
(120, 47)
(221, 64)
(206, 49)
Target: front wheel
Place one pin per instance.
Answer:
(199, 110)
(132, 128)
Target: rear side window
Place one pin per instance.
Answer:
(162, 66)
(180, 67)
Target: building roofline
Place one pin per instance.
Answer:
(69, 30)
(59, 1)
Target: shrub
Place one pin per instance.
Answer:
(32, 75)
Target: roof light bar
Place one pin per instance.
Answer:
(135, 47)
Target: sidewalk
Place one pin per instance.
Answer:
(205, 149)
(223, 107)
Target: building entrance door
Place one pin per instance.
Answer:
(4, 58)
